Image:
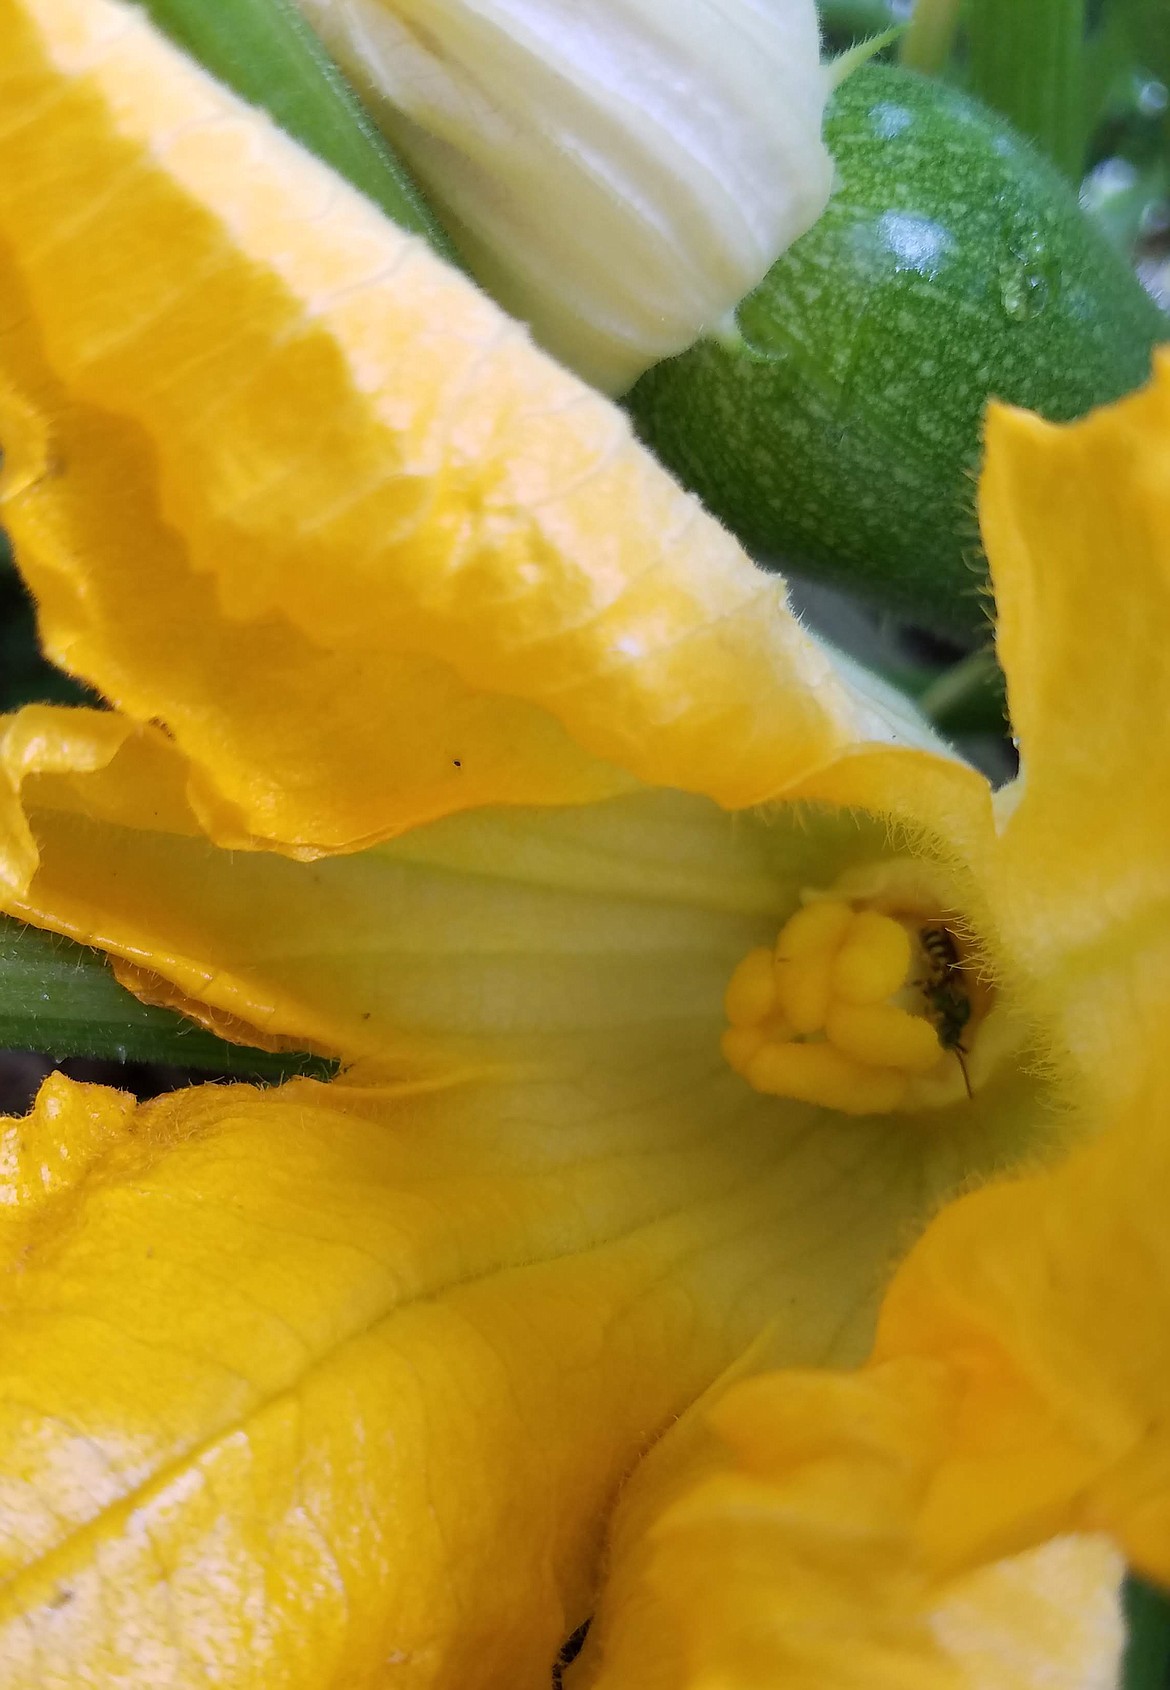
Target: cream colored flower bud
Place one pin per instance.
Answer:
(619, 173)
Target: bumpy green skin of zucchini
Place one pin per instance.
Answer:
(841, 435)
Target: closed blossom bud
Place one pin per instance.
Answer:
(618, 173)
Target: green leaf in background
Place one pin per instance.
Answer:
(62, 999)
(1026, 58)
(1147, 1656)
(265, 51)
(841, 432)
(1147, 27)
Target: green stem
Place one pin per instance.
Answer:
(62, 1000)
(1027, 58)
(967, 698)
(928, 43)
(264, 50)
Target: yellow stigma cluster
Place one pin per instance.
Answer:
(814, 1017)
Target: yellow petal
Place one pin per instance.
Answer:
(841, 1525)
(475, 933)
(781, 1553)
(1049, 1618)
(1076, 521)
(1048, 1300)
(296, 1385)
(935, 803)
(282, 480)
(474, 942)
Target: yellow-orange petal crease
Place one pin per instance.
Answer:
(283, 480)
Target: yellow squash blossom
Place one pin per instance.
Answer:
(450, 738)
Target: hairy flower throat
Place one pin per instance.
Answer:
(857, 1008)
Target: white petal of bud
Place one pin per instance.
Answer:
(618, 173)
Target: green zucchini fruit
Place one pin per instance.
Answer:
(838, 430)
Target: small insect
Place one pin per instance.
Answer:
(947, 999)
